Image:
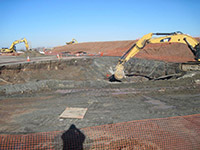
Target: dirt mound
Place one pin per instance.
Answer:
(112, 48)
(174, 52)
(31, 53)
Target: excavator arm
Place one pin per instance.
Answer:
(174, 37)
(12, 47)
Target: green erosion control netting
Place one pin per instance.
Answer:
(181, 132)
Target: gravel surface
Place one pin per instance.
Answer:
(39, 92)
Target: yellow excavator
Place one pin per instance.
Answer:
(13, 47)
(174, 37)
(72, 42)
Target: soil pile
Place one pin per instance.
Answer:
(31, 53)
(112, 48)
(174, 52)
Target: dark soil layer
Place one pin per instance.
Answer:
(84, 69)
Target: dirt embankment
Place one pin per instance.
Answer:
(112, 48)
(174, 52)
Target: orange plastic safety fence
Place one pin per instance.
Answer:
(166, 133)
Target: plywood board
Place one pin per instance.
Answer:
(72, 112)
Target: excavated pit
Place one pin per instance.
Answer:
(80, 71)
(34, 94)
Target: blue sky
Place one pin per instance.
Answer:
(51, 23)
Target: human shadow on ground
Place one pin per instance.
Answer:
(73, 139)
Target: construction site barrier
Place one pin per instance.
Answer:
(174, 133)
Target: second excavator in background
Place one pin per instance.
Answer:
(13, 46)
(72, 42)
(174, 37)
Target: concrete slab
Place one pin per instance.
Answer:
(72, 112)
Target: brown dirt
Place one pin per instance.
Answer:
(113, 48)
(31, 53)
(10, 54)
(174, 52)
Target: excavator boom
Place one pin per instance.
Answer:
(174, 37)
(12, 47)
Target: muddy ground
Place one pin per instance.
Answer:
(34, 94)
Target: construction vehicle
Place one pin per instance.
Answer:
(13, 47)
(72, 42)
(174, 37)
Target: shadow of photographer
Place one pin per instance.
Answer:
(73, 139)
